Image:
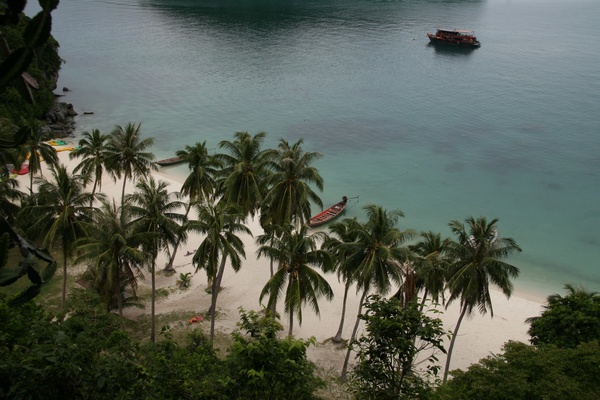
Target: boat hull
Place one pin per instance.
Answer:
(450, 42)
(170, 161)
(328, 215)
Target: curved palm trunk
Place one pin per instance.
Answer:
(169, 266)
(338, 336)
(125, 177)
(153, 306)
(344, 376)
(291, 328)
(64, 282)
(216, 285)
(93, 193)
(446, 369)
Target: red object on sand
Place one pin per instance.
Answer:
(24, 169)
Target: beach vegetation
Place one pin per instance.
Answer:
(35, 150)
(199, 186)
(341, 233)
(290, 195)
(298, 254)
(526, 372)
(477, 252)
(375, 256)
(154, 215)
(243, 177)
(265, 367)
(58, 213)
(220, 223)
(569, 320)
(431, 260)
(396, 356)
(127, 154)
(93, 153)
(112, 254)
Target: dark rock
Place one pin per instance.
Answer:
(66, 89)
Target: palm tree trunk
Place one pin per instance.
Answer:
(344, 376)
(123, 189)
(169, 266)
(291, 327)
(93, 192)
(338, 336)
(153, 306)
(446, 369)
(216, 285)
(64, 282)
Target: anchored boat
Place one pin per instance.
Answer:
(454, 37)
(329, 214)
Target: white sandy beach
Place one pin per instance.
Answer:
(479, 336)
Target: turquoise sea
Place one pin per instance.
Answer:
(509, 130)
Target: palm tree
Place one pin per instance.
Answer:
(220, 223)
(376, 256)
(244, 171)
(37, 150)
(10, 196)
(59, 210)
(154, 212)
(127, 155)
(431, 265)
(92, 150)
(341, 233)
(199, 185)
(476, 254)
(297, 253)
(113, 253)
(289, 196)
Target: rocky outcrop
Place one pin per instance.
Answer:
(60, 120)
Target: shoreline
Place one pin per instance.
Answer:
(479, 336)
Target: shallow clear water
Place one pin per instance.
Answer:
(508, 131)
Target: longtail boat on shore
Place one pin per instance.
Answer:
(170, 161)
(329, 214)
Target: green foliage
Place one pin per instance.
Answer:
(529, 373)
(264, 367)
(387, 354)
(30, 49)
(567, 321)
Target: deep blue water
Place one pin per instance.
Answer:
(508, 131)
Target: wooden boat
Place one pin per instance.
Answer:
(329, 214)
(454, 37)
(170, 161)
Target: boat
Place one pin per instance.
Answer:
(170, 161)
(454, 37)
(329, 214)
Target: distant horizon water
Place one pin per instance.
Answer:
(507, 131)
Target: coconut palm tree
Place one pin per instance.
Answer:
(113, 253)
(10, 196)
(93, 152)
(154, 211)
(126, 154)
(220, 223)
(431, 265)
(341, 233)
(297, 253)
(59, 210)
(477, 252)
(376, 256)
(289, 197)
(244, 171)
(37, 150)
(199, 184)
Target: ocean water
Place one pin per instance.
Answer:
(507, 131)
